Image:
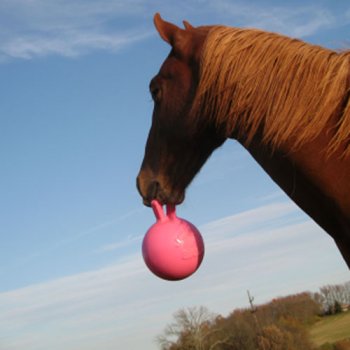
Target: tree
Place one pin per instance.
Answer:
(330, 294)
(272, 338)
(337, 307)
(283, 337)
(190, 330)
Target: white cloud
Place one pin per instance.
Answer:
(69, 28)
(120, 244)
(69, 45)
(36, 28)
(297, 21)
(124, 306)
(75, 304)
(248, 219)
(300, 22)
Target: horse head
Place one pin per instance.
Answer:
(179, 142)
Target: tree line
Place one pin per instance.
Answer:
(280, 324)
(333, 297)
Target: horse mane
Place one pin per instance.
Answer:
(254, 81)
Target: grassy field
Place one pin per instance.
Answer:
(330, 329)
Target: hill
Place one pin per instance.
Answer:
(306, 321)
(331, 329)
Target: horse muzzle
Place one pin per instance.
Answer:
(147, 191)
(151, 188)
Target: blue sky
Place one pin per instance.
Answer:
(75, 113)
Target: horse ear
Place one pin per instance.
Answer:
(166, 30)
(187, 25)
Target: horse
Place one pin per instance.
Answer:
(286, 101)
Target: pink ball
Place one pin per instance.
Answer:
(172, 248)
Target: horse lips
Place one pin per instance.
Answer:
(172, 248)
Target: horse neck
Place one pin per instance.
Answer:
(255, 81)
(317, 183)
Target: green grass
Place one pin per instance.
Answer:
(330, 329)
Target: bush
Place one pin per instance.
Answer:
(342, 345)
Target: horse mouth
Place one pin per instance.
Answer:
(153, 190)
(161, 200)
(161, 197)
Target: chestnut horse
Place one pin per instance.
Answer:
(285, 101)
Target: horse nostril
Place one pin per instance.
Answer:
(152, 190)
(147, 189)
